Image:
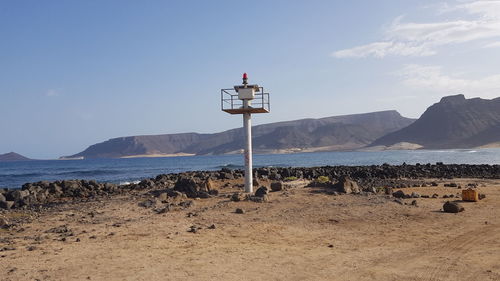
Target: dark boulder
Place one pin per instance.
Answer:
(452, 207)
(399, 194)
(261, 191)
(277, 186)
(189, 186)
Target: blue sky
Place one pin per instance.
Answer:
(74, 73)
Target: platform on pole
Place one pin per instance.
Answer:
(230, 102)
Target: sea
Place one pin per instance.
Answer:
(124, 171)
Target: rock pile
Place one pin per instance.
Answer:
(198, 184)
(47, 192)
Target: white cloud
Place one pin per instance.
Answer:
(382, 49)
(423, 39)
(492, 45)
(432, 78)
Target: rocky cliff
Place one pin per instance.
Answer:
(331, 133)
(454, 122)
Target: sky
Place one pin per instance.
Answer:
(75, 73)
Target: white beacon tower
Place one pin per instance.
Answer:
(246, 99)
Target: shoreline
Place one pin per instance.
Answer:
(373, 176)
(155, 231)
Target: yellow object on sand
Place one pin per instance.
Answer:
(470, 195)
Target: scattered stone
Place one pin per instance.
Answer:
(162, 210)
(388, 190)
(277, 186)
(259, 199)
(414, 203)
(237, 196)
(482, 196)
(6, 204)
(186, 204)
(213, 192)
(163, 197)
(203, 195)
(330, 246)
(4, 249)
(58, 229)
(93, 237)
(399, 194)
(399, 201)
(190, 186)
(31, 248)
(212, 226)
(415, 195)
(261, 191)
(193, 229)
(346, 185)
(435, 195)
(77, 240)
(239, 211)
(147, 203)
(452, 207)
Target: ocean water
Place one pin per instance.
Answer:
(15, 174)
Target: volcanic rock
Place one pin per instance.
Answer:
(346, 185)
(452, 207)
(261, 191)
(277, 186)
(399, 194)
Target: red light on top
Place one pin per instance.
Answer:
(245, 76)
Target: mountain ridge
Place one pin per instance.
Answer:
(453, 122)
(337, 132)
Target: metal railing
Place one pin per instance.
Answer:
(230, 101)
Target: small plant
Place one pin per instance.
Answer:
(290, 179)
(322, 179)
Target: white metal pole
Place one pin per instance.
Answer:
(247, 124)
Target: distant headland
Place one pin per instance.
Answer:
(454, 122)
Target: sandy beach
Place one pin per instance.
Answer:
(303, 233)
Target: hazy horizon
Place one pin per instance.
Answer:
(78, 73)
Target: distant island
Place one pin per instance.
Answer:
(454, 122)
(12, 156)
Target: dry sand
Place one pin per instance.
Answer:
(302, 234)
